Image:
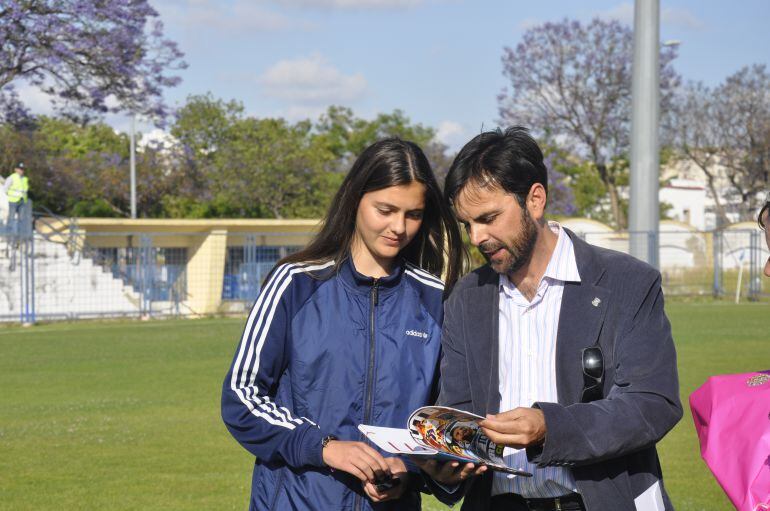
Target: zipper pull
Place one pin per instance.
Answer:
(375, 297)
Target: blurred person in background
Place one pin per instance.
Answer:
(764, 222)
(16, 188)
(347, 332)
(732, 430)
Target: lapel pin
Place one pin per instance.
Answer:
(596, 302)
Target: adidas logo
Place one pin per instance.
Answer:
(415, 333)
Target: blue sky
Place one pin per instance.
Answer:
(438, 60)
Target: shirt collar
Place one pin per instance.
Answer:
(562, 266)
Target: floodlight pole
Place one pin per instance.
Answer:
(133, 166)
(643, 219)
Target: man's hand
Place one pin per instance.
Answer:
(356, 458)
(398, 469)
(449, 473)
(517, 428)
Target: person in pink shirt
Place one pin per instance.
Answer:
(734, 433)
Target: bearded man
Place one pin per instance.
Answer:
(564, 347)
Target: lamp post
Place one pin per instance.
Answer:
(133, 166)
(643, 218)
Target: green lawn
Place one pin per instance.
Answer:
(125, 415)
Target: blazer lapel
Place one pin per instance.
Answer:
(584, 305)
(482, 316)
(493, 394)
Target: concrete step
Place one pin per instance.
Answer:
(64, 286)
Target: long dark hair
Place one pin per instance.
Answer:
(390, 162)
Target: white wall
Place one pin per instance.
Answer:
(688, 202)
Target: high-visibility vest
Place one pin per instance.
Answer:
(19, 188)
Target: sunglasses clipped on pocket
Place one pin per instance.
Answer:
(593, 373)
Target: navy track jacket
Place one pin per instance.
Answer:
(323, 352)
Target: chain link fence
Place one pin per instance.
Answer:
(726, 263)
(56, 271)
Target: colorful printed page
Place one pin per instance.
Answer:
(442, 433)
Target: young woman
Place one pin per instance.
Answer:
(346, 332)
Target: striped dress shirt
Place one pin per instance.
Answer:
(527, 368)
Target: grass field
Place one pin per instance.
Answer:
(125, 415)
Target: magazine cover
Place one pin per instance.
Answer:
(442, 433)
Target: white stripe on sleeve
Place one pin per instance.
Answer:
(425, 281)
(258, 325)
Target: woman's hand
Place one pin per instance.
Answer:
(398, 471)
(449, 472)
(357, 459)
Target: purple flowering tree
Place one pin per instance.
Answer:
(571, 83)
(561, 199)
(12, 110)
(93, 56)
(725, 132)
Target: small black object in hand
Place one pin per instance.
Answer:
(386, 483)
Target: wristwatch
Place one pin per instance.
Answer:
(325, 440)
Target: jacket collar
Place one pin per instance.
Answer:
(582, 314)
(361, 283)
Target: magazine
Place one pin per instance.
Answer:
(444, 434)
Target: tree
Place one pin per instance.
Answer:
(743, 114)
(202, 126)
(236, 165)
(271, 168)
(697, 137)
(561, 196)
(204, 123)
(725, 132)
(79, 170)
(346, 135)
(572, 83)
(89, 55)
(79, 165)
(13, 112)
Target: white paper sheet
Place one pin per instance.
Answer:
(651, 499)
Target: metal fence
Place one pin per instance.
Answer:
(725, 263)
(247, 266)
(54, 272)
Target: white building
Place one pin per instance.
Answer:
(688, 199)
(692, 206)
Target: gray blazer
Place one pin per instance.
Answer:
(609, 444)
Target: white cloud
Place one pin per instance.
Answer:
(34, 99)
(301, 112)
(352, 4)
(672, 16)
(528, 23)
(452, 134)
(240, 16)
(312, 81)
(681, 18)
(623, 13)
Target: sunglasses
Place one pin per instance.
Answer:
(593, 373)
